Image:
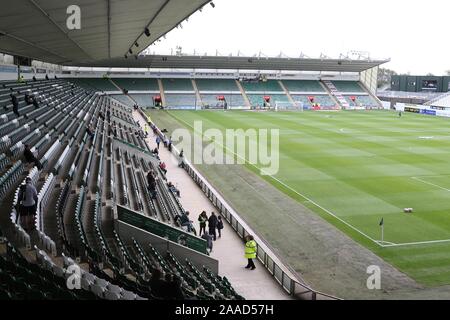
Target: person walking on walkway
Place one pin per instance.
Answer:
(202, 219)
(219, 226)
(158, 141)
(250, 251)
(212, 225)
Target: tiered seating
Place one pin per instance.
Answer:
(258, 99)
(70, 217)
(123, 99)
(216, 85)
(364, 101)
(143, 100)
(322, 100)
(348, 86)
(181, 100)
(99, 84)
(232, 100)
(177, 85)
(21, 279)
(261, 86)
(137, 84)
(304, 86)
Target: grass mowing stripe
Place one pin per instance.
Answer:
(284, 184)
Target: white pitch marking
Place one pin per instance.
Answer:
(416, 243)
(431, 184)
(290, 188)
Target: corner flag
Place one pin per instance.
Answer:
(382, 230)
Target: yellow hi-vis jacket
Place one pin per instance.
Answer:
(250, 249)
(149, 119)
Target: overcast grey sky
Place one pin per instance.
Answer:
(413, 33)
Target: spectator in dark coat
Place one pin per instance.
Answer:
(212, 225)
(29, 157)
(28, 98)
(174, 289)
(157, 284)
(219, 225)
(15, 104)
(202, 219)
(35, 102)
(151, 180)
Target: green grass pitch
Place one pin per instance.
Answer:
(360, 167)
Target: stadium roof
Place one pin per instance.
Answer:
(109, 28)
(244, 63)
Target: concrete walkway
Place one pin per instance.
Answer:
(228, 250)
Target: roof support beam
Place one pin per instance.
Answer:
(109, 27)
(149, 23)
(65, 59)
(33, 2)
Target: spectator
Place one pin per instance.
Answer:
(209, 241)
(250, 251)
(156, 151)
(212, 225)
(151, 180)
(202, 219)
(174, 289)
(46, 77)
(34, 78)
(181, 164)
(90, 131)
(173, 189)
(113, 131)
(219, 226)
(28, 98)
(101, 115)
(35, 102)
(146, 130)
(30, 157)
(158, 141)
(184, 221)
(163, 167)
(27, 201)
(170, 144)
(15, 104)
(157, 284)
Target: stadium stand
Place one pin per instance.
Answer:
(98, 84)
(92, 152)
(216, 85)
(361, 100)
(184, 85)
(137, 84)
(303, 86)
(258, 99)
(348, 86)
(143, 100)
(232, 100)
(261, 86)
(181, 100)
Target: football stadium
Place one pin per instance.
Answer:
(127, 174)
